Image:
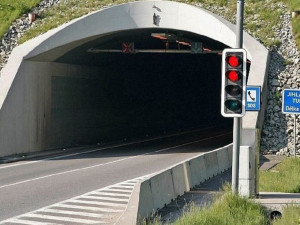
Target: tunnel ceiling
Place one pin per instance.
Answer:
(142, 39)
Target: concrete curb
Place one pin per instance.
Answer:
(166, 185)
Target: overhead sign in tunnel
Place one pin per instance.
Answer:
(74, 85)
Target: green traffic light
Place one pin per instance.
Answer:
(233, 105)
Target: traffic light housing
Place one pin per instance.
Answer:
(233, 82)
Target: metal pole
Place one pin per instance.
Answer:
(235, 154)
(295, 131)
(239, 23)
(237, 120)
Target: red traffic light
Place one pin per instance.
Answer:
(233, 60)
(233, 75)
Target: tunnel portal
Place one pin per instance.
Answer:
(133, 95)
(74, 86)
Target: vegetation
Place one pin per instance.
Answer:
(230, 209)
(294, 5)
(291, 216)
(227, 209)
(283, 178)
(260, 23)
(11, 10)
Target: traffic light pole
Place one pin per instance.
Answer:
(237, 120)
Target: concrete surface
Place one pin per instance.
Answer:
(35, 183)
(277, 201)
(160, 189)
(203, 194)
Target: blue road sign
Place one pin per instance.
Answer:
(291, 101)
(252, 98)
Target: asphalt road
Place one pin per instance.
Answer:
(29, 185)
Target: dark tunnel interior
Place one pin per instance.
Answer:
(138, 94)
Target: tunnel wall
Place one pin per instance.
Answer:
(61, 105)
(27, 115)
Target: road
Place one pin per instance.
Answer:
(32, 184)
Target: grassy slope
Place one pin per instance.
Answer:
(11, 10)
(227, 209)
(230, 209)
(260, 23)
(283, 178)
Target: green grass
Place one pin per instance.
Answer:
(291, 216)
(294, 5)
(230, 209)
(11, 10)
(227, 209)
(285, 177)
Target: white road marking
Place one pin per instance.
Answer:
(94, 212)
(99, 149)
(102, 164)
(97, 203)
(126, 185)
(117, 190)
(91, 208)
(107, 198)
(27, 222)
(123, 187)
(111, 194)
(67, 212)
(62, 218)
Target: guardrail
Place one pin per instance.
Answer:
(163, 187)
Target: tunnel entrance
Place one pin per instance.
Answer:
(63, 89)
(133, 95)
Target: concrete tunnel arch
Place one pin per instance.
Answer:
(24, 104)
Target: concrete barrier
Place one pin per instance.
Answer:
(162, 181)
(181, 175)
(163, 187)
(211, 164)
(198, 170)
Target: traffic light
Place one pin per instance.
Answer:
(233, 82)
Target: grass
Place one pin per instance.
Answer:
(230, 209)
(285, 177)
(11, 10)
(227, 209)
(294, 5)
(291, 216)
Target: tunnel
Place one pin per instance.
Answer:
(125, 72)
(136, 94)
